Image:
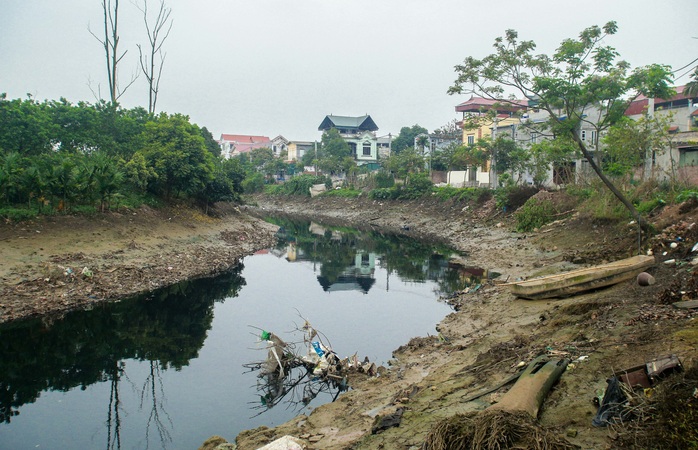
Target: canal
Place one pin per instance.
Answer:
(171, 368)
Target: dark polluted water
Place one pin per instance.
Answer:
(169, 369)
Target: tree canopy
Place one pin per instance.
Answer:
(406, 137)
(582, 76)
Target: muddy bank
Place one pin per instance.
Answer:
(492, 333)
(55, 264)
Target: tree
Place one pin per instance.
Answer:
(175, 149)
(406, 137)
(580, 77)
(158, 31)
(691, 88)
(112, 53)
(630, 142)
(333, 153)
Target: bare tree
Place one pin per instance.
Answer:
(110, 42)
(158, 31)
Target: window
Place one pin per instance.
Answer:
(352, 149)
(367, 149)
(471, 139)
(593, 136)
(534, 137)
(584, 135)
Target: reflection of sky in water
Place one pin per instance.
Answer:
(212, 394)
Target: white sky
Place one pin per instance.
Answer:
(270, 67)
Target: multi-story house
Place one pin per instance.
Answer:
(680, 158)
(359, 133)
(236, 144)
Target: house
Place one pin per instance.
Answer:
(359, 132)
(279, 145)
(296, 150)
(236, 144)
(483, 118)
(681, 158)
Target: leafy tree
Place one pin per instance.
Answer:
(580, 76)
(630, 143)
(11, 171)
(108, 179)
(26, 127)
(559, 152)
(176, 150)
(335, 156)
(691, 88)
(406, 137)
(62, 179)
(138, 173)
(407, 162)
(211, 143)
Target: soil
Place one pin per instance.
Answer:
(485, 340)
(59, 263)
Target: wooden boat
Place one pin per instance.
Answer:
(568, 283)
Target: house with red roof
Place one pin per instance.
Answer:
(236, 144)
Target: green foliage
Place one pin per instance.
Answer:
(686, 195)
(300, 185)
(383, 193)
(383, 179)
(419, 184)
(19, 214)
(511, 197)
(647, 206)
(402, 164)
(253, 183)
(58, 156)
(581, 74)
(406, 137)
(466, 195)
(534, 214)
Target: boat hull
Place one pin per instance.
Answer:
(573, 282)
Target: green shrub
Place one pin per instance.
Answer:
(513, 197)
(253, 183)
(383, 193)
(419, 185)
(384, 180)
(534, 214)
(468, 194)
(19, 214)
(301, 185)
(685, 195)
(85, 210)
(648, 206)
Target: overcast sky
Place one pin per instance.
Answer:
(270, 67)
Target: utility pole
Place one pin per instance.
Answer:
(315, 158)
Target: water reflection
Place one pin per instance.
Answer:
(346, 258)
(167, 328)
(129, 357)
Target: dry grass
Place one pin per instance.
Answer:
(493, 430)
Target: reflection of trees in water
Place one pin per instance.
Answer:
(114, 413)
(166, 327)
(154, 387)
(336, 249)
(296, 388)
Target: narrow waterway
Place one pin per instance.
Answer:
(169, 369)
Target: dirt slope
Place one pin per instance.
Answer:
(492, 332)
(121, 254)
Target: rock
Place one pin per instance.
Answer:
(285, 443)
(645, 279)
(217, 443)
